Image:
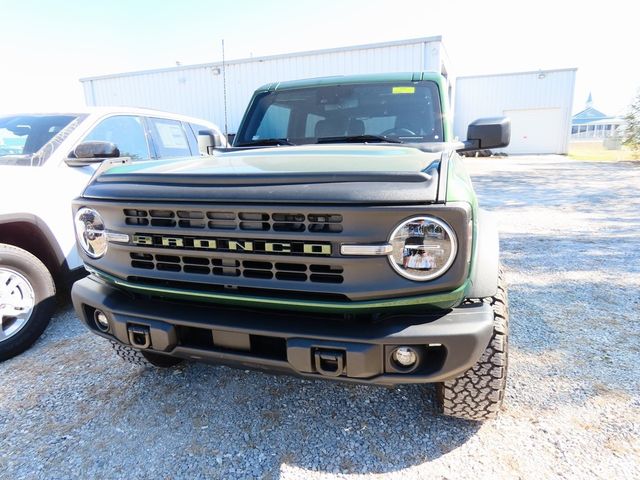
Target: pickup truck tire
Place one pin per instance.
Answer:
(144, 359)
(478, 393)
(27, 300)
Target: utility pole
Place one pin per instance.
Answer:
(224, 91)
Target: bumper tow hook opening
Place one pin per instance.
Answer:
(139, 336)
(329, 362)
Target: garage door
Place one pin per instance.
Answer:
(536, 130)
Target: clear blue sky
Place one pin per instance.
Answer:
(45, 47)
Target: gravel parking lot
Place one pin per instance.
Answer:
(571, 246)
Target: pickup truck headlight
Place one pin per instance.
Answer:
(90, 232)
(423, 248)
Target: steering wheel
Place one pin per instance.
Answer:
(398, 132)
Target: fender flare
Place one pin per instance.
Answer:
(486, 258)
(50, 253)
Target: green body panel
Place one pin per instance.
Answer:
(349, 80)
(459, 186)
(460, 189)
(436, 301)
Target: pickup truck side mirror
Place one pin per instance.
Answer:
(88, 153)
(207, 141)
(486, 133)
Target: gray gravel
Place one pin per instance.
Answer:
(571, 245)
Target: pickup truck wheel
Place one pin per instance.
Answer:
(144, 359)
(478, 393)
(27, 300)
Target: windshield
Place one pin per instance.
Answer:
(22, 136)
(393, 112)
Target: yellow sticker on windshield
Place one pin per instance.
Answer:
(396, 90)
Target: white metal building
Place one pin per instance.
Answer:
(198, 90)
(539, 103)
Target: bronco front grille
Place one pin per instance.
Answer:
(229, 267)
(235, 220)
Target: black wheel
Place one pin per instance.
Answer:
(27, 300)
(478, 393)
(138, 357)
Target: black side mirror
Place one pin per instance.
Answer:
(97, 150)
(486, 133)
(88, 153)
(207, 141)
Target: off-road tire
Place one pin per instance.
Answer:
(478, 393)
(145, 359)
(44, 290)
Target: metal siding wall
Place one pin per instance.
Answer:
(198, 92)
(489, 96)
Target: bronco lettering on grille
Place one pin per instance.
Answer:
(232, 245)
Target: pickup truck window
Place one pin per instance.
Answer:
(127, 132)
(169, 138)
(401, 111)
(21, 136)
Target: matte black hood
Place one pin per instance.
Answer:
(338, 174)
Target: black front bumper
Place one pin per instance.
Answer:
(317, 346)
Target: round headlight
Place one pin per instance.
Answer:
(90, 232)
(423, 248)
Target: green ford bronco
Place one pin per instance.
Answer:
(339, 238)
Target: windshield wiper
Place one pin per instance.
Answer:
(358, 139)
(265, 142)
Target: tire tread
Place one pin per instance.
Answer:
(478, 393)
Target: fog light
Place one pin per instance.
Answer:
(102, 322)
(404, 356)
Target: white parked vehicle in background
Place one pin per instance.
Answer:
(38, 182)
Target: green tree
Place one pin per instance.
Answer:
(631, 136)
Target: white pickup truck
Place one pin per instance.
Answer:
(37, 183)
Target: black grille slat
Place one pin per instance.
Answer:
(260, 226)
(264, 274)
(163, 222)
(197, 269)
(291, 267)
(141, 256)
(145, 265)
(334, 269)
(191, 214)
(191, 223)
(257, 265)
(161, 214)
(294, 222)
(317, 278)
(132, 212)
(254, 217)
(168, 267)
(226, 271)
(227, 267)
(291, 276)
(136, 221)
(195, 260)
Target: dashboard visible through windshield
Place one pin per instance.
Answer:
(22, 136)
(393, 112)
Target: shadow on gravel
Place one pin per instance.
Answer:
(569, 184)
(255, 424)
